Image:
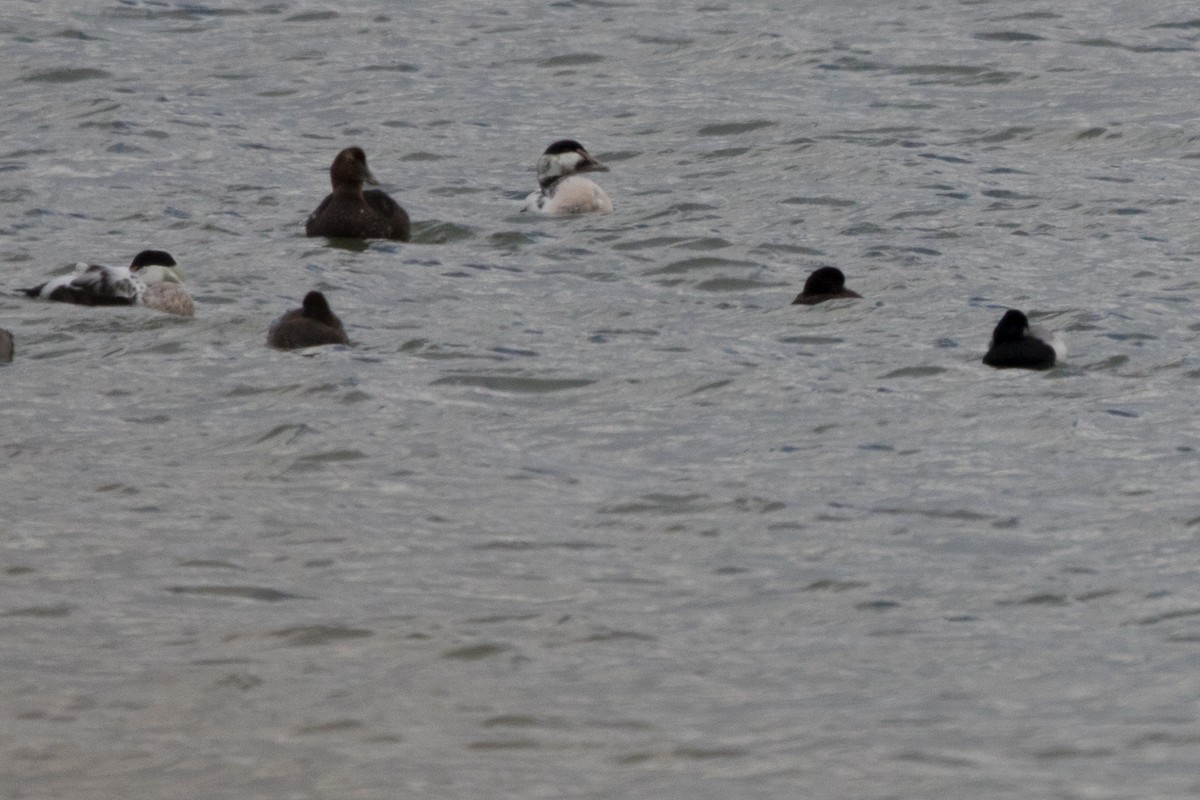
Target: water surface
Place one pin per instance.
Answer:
(589, 510)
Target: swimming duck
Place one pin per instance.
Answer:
(312, 324)
(151, 280)
(563, 190)
(825, 283)
(1016, 344)
(351, 213)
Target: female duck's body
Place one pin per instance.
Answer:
(311, 325)
(349, 212)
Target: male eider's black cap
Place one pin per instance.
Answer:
(564, 146)
(152, 258)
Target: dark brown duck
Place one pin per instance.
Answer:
(825, 283)
(312, 324)
(351, 213)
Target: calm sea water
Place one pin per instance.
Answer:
(588, 510)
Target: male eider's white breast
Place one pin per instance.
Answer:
(571, 195)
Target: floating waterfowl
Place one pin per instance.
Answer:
(825, 283)
(151, 280)
(563, 190)
(351, 213)
(308, 326)
(1017, 345)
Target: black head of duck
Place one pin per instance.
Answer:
(825, 283)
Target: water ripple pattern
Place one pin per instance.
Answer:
(588, 509)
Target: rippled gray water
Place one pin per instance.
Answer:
(589, 511)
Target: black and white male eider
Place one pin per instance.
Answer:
(563, 189)
(314, 323)
(349, 212)
(1016, 345)
(151, 281)
(825, 283)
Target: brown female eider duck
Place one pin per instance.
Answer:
(311, 325)
(351, 213)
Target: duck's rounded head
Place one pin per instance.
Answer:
(825, 283)
(565, 157)
(148, 258)
(316, 307)
(825, 280)
(350, 168)
(1012, 327)
(155, 266)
